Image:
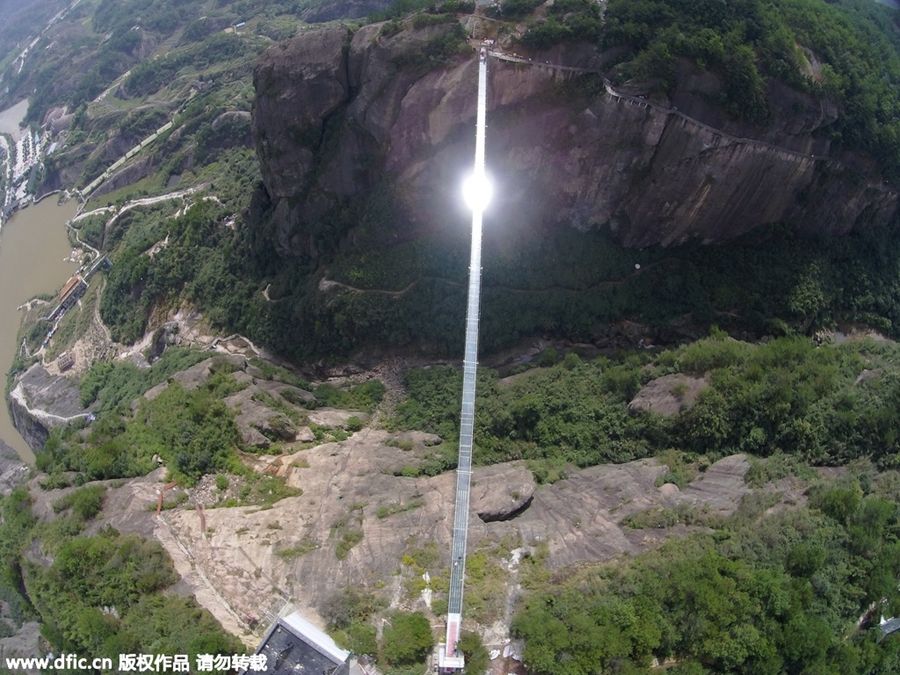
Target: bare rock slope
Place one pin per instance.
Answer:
(355, 523)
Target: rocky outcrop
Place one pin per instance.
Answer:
(250, 555)
(41, 401)
(502, 492)
(667, 395)
(338, 114)
(12, 469)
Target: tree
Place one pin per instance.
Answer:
(407, 639)
(351, 606)
(475, 653)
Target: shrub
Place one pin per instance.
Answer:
(477, 657)
(349, 539)
(407, 639)
(85, 502)
(304, 547)
(351, 605)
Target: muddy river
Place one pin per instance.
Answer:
(33, 245)
(10, 118)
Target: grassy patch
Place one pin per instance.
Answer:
(770, 469)
(680, 471)
(302, 548)
(391, 509)
(265, 491)
(84, 503)
(363, 396)
(272, 372)
(485, 588)
(348, 539)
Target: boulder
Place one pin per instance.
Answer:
(667, 395)
(502, 492)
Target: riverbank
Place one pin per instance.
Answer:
(11, 118)
(34, 253)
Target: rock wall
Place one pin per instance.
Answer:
(12, 469)
(32, 430)
(41, 401)
(337, 114)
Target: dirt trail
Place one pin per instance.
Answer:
(327, 284)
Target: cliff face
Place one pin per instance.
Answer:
(338, 114)
(41, 401)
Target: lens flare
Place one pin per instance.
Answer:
(477, 192)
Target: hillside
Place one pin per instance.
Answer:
(686, 421)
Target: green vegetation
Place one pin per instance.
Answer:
(485, 587)
(407, 639)
(113, 384)
(304, 547)
(561, 283)
(101, 596)
(191, 430)
(217, 50)
(263, 491)
(778, 594)
(424, 558)
(438, 51)
(683, 514)
(575, 415)
(279, 374)
(845, 50)
(349, 613)
(785, 397)
(15, 534)
(477, 658)
(363, 396)
(85, 503)
(391, 509)
(97, 43)
(776, 467)
(348, 539)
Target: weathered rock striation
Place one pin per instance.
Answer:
(338, 114)
(252, 556)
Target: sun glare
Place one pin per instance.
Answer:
(477, 192)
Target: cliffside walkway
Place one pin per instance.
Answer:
(86, 192)
(327, 284)
(686, 119)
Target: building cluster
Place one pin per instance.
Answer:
(69, 295)
(21, 163)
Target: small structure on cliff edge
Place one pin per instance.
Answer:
(294, 645)
(65, 361)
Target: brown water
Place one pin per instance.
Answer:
(10, 118)
(33, 244)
